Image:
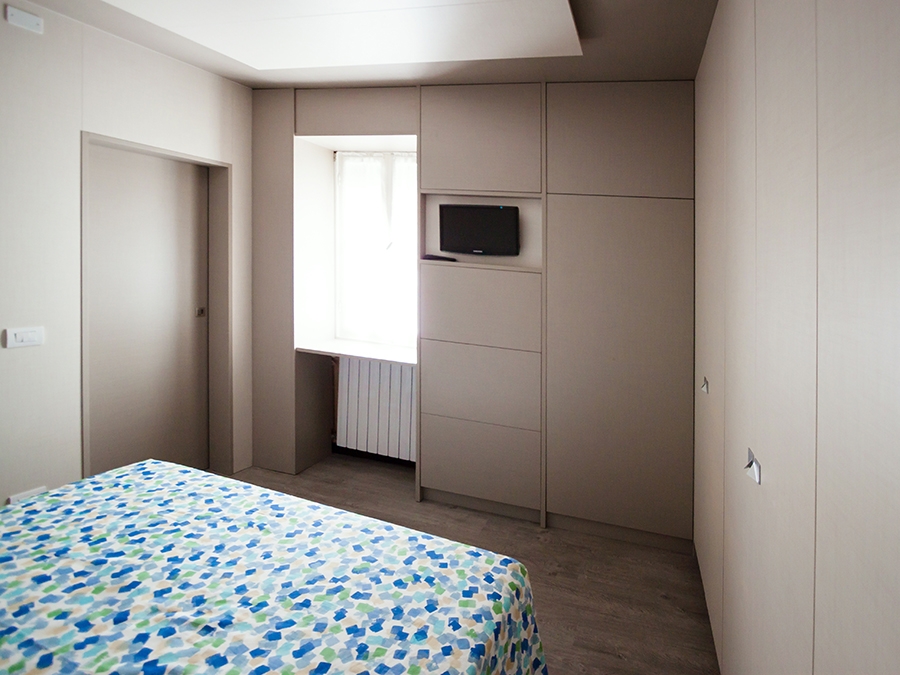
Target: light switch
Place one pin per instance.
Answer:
(23, 19)
(24, 337)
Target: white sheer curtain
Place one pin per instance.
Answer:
(375, 247)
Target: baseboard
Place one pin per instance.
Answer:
(477, 504)
(663, 541)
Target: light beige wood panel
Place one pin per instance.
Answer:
(484, 137)
(144, 276)
(482, 384)
(273, 280)
(620, 298)
(494, 308)
(777, 520)
(858, 505)
(40, 185)
(741, 493)
(481, 460)
(709, 348)
(621, 138)
(363, 110)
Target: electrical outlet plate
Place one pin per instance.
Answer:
(24, 337)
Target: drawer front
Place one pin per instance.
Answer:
(481, 460)
(481, 307)
(482, 384)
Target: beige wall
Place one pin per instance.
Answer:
(75, 78)
(797, 211)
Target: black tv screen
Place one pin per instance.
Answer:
(480, 229)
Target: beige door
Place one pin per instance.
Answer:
(145, 337)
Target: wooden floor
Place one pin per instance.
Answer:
(602, 606)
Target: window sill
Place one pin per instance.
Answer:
(366, 350)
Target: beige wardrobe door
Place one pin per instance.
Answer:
(144, 281)
(620, 321)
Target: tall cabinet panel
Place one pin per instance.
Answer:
(620, 301)
(740, 325)
(619, 361)
(858, 541)
(709, 339)
(776, 579)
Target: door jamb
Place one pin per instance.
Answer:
(220, 272)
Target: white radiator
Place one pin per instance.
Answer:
(377, 407)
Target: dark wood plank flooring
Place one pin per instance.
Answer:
(602, 606)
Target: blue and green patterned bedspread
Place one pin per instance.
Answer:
(156, 568)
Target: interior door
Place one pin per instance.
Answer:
(145, 334)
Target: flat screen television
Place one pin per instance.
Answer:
(480, 229)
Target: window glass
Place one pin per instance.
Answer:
(375, 247)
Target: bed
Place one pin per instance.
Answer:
(157, 568)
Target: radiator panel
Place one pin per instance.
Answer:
(377, 407)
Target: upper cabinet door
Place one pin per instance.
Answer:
(483, 138)
(628, 139)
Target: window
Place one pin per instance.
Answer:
(375, 247)
(356, 246)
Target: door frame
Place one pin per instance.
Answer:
(220, 303)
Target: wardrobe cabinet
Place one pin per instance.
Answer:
(560, 380)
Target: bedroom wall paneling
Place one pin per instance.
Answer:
(481, 138)
(858, 541)
(709, 338)
(619, 361)
(40, 240)
(75, 78)
(274, 430)
(357, 111)
(621, 138)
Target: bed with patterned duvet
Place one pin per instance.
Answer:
(157, 568)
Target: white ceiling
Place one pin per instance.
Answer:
(619, 39)
(281, 34)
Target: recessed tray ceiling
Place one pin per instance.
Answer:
(291, 34)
